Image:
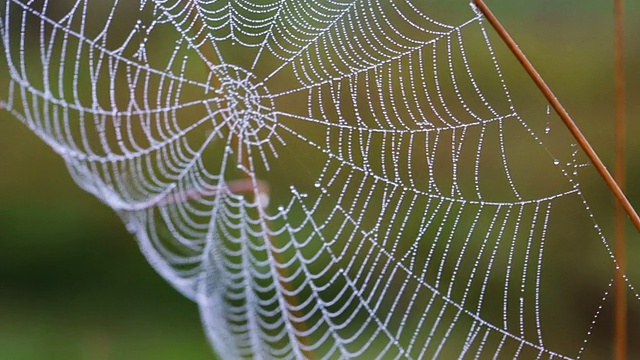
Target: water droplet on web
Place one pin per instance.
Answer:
(316, 184)
(281, 208)
(547, 129)
(556, 162)
(548, 109)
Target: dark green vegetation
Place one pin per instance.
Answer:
(73, 284)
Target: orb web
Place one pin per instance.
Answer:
(330, 179)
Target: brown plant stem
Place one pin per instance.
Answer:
(557, 106)
(256, 187)
(620, 318)
(292, 300)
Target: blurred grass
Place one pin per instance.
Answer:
(73, 284)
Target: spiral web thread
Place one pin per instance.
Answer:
(327, 179)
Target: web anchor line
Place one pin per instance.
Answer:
(560, 110)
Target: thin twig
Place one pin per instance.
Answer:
(620, 330)
(290, 298)
(234, 187)
(247, 185)
(557, 106)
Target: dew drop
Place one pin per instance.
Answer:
(316, 184)
(548, 109)
(547, 129)
(556, 162)
(281, 208)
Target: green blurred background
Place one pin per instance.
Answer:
(73, 284)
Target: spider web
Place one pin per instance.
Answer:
(329, 179)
